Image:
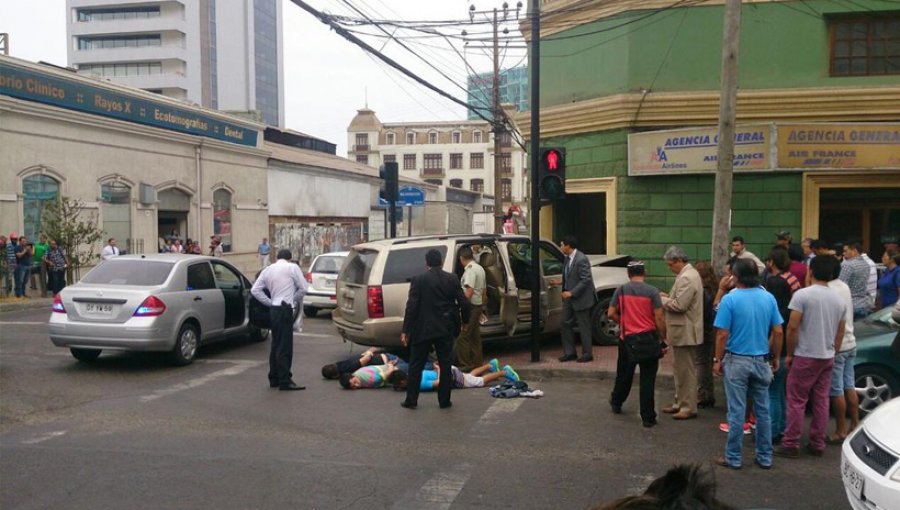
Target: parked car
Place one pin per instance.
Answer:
(161, 302)
(322, 277)
(870, 460)
(374, 283)
(877, 365)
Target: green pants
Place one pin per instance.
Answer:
(467, 348)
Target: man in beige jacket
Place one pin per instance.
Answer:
(684, 327)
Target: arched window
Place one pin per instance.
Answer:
(222, 217)
(116, 199)
(456, 183)
(436, 182)
(477, 185)
(505, 190)
(37, 190)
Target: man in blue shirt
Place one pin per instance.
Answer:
(749, 331)
(263, 252)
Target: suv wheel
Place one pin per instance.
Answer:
(603, 330)
(310, 311)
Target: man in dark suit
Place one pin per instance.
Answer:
(579, 299)
(433, 309)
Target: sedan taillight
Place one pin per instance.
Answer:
(151, 307)
(58, 304)
(375, 302)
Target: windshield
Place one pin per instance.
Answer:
(329, 265)
(142, 273)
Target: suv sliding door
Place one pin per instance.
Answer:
(552, 262)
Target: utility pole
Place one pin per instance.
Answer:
(731, 35)
(535, 159)
(498, 130)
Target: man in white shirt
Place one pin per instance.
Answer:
(110, 250)
(286, 287)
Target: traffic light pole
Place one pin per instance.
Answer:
(535, 209)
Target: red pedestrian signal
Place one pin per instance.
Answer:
(552, 173)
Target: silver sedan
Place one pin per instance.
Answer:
(164, 302)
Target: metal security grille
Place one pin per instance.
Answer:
(873, 455)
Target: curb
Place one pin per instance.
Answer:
(541, 374)
(29, 304)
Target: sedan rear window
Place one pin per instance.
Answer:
(402, 265)
(329, 265)
(142, 273)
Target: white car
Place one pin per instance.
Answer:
(870, 460)
(322, 277)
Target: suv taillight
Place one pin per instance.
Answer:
(58, 304)
(309, 277)
(151, 307)
(375, 302)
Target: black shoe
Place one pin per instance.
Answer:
(291, 387)
(585, 359)
(616, 408)
(273, 384)
(446, 405)
(649, 423)
(408, 405)
(567, 357)
(706, 404)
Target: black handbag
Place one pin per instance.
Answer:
(641, 347)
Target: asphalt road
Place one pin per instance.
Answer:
(130, 431)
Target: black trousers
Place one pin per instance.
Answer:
(625, 377)
(281, 355)
(57, 280)
(418, 355)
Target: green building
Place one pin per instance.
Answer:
(631, 89)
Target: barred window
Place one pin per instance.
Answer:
(434, 161)
(409, 161)
(456, 161)
(476, 160)
(477, 185)
(865, 46)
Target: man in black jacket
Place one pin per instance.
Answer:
(433, 309)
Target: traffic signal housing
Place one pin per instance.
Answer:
(552, 173)
(390, 189)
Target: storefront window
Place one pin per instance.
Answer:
(222, 217)
(37, 190)
(116, 198)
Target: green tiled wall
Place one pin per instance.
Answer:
(656, 212)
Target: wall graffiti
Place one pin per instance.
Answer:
(306, 240)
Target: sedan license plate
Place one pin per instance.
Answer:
(853, 481)
(98, 308)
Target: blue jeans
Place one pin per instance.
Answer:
(748, 375)
(778, 400)
(22, 275)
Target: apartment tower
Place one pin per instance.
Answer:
(221, 54)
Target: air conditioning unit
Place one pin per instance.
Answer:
(147, 194)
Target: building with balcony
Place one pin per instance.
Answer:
(224, 55)
(631, 90)
(455, 154)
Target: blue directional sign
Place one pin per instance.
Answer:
(410, 196)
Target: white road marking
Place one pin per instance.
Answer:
(45, 437)
(439, 492)
(494, 414)
(23, 323)
(238, 368)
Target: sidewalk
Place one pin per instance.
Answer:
(603, 366)
(11, 304)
